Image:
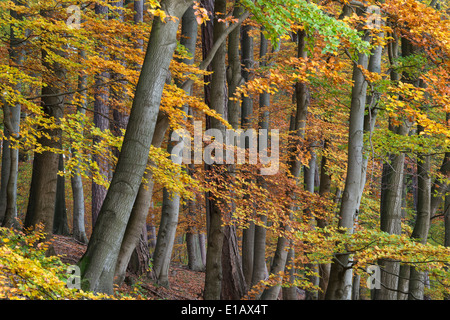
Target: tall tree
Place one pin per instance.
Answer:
(213, 276)
(78, 225)
(339, 286)
(98, 263)
(171, 202)
(41, 203)
(10, 156)
(302, 96)
(101, 121)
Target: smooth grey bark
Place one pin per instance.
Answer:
(189, 31)
(290, 292)
(101, 121)
(440, 185)
(11, 115)
(302, 101)
(143, 200)
(259, 270)
(140, 208)
(78, 216)
(309, 181)
(422, 223)
(166, 237)
(339, 288)
(403, 282)
(392, 199)
(131, 242)
(231, 259)
(98, 263)
(171, 203)
(247, 63)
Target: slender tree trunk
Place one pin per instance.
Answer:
(259, 252)
(99, 262)
(234, 73)
(324, 191)
(189, 30)
(422, 224)
(447, 221)
(5, 171)
(101, 121)
(11, 115)
(117, 92)
(302, 100)
(60, 224)
(166, 238)
(440, 187)
(339, 288)
(248, 239)
(214, 276)
(78, 229)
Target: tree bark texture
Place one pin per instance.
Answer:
(99, 262)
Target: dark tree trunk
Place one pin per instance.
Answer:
(214, 273)
(41, 204)
(60, 224)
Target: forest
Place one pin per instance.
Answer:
(275, 149)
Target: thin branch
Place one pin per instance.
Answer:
(212, 52)
(75, 91)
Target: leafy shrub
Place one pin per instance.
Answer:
(26, 272)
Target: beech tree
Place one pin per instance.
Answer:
(117, 118)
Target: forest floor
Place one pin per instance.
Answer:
(185, 284)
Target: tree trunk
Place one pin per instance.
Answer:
(189, 30)
(214, 276)
(302, 100)
(324, 191)
(171, 203)
(166, 237)
(140, 208)
(99, 262)
(248, 239)
(339, 288)
(117, 92)
(11, 115)
(101, 121)
(440, 187)
(259, 252)
(60, 225)
(41, 204)
(422, 224)
(78, 229)
(447, 221)
(5, 171)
